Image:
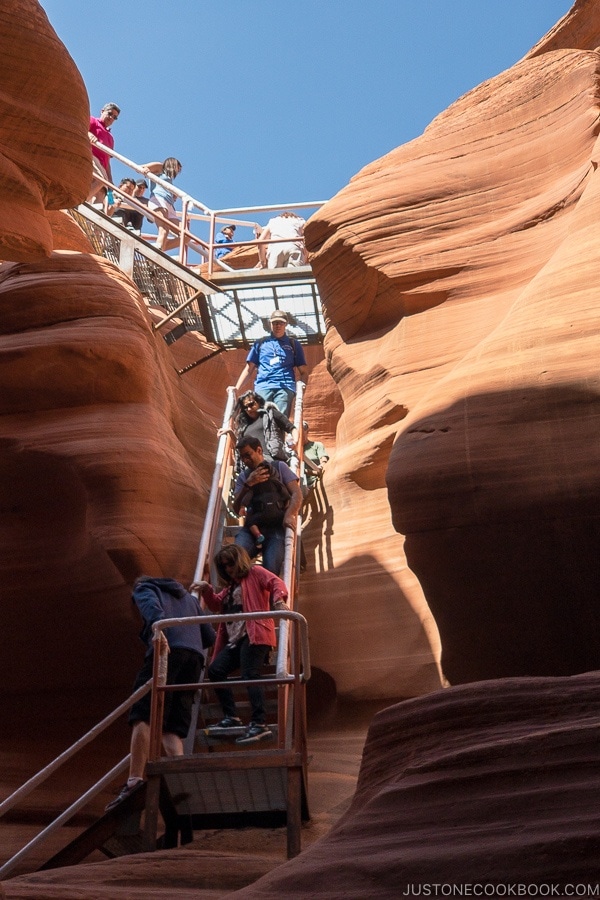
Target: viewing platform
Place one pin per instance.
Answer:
(228, 305)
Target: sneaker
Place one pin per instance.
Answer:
(227, 722)
(254, 732)
(126, 791)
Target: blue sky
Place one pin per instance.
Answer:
(273, 101)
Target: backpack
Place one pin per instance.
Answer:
(269, 501)
(275, 445)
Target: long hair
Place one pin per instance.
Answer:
(171, 167)
(241, 418)
(237, 557)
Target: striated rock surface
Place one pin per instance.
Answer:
(460, 389)
(45, 158)
(101, 454)
(458, 274)
(489, 784)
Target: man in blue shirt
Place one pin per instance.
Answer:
(273, 360)
(225, 236)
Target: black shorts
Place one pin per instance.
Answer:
(184, 667)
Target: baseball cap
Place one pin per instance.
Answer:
(278, 315)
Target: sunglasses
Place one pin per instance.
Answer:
(250, 404)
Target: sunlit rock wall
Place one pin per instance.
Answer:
(45, 159)
(458, 275)
(101, 455)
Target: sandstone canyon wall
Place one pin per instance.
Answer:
(107, 454)
(458, 276)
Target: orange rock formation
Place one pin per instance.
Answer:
(45, 158)
(458, 277)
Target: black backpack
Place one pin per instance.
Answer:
(269, 501)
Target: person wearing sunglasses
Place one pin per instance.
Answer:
(99, 132)
(253, 417)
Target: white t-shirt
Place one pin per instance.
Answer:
(287, 228)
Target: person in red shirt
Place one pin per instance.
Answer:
(99, 132)
(242, 644)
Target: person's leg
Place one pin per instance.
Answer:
(282, 397)
(184, 667)
(227, 660)
(173, 744)
(273, 256)
(140, 745)
(252, 659)
(273, 549)
(97, 191)
(244, 539)
(295, 259)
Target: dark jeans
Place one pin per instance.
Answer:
(249, 659)
(273, 549)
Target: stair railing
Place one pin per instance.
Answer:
(213, 217)
(56, 764)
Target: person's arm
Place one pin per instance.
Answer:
(154, 167)
(207, 595)
(313, 466)
(248, 371)
(262, 248)
(300, 361)
(256, 476)
(146, 599)
(278, 592)
(302, 373)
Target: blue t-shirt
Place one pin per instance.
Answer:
(161, 194)
(275, 360)
(223, 251)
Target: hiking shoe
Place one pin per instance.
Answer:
(126, 791)
(227, 722)
(254, 732)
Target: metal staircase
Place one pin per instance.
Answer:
(216, 783)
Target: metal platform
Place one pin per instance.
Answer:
(231, 310)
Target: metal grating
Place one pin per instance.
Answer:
(233, 791)
(104, 243)
(232, 311)
(242, 313)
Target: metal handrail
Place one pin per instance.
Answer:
(209, 618)
(212, 216)
(11, 864)
(53, 766)
(161, 651)
(214, 497)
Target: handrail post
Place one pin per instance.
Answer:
(157, 700)
(184, 227)
(211, 242)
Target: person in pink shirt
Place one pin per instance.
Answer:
(99, 132)
(243, 644)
